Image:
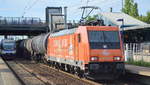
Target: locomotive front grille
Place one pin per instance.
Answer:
(105, 67)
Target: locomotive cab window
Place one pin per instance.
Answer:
(104, 39)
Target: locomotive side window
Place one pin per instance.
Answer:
(104, 39)
(79, 38)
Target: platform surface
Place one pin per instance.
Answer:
(145, 71)
(6, 75)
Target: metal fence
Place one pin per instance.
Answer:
(21, 21)
(137, 52)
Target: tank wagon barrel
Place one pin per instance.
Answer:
(21, 44)
(39, 44)
(34, 46)
(26, 45)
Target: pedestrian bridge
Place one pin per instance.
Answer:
(22, 26)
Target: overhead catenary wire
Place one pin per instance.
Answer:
(27, 5)
(100, 3)
(76, 7)
(71, 8)
(87, 2)
(27, 8)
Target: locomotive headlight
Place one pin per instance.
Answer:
(117, 58)
(94, 58)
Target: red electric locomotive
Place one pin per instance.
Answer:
(93, 51)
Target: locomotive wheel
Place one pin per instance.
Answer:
(44, 61)
(76, 71)
(63, 67)
(79, 72)
(57, 66)
(50, 64)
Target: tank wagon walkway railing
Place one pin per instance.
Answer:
(13, 25)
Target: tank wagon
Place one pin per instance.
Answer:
(92, 51)
(34, 47)
(24, 48)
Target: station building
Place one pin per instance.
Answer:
(135, 34)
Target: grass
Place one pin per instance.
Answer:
(139, 63)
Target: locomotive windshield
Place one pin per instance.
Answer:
(9, 45)
(104, 39)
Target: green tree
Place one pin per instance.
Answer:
(130, 8)
(145, 18)
(90, 18)
(134, 10)
(142, 18)
(148, 17)
(127, 6)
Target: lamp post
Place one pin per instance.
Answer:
(122, 28)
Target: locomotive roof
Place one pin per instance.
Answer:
(63, 32)
(7, 40)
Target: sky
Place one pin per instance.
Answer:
(36, 8)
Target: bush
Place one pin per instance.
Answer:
(139, 63)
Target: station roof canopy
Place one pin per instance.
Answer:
(138, 27)
(124, 20)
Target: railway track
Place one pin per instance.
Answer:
(51, 76)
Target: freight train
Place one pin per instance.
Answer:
(8, 48)
(92, 51)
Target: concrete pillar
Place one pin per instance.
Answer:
(5, 36)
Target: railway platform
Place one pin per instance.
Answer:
(144, 71)
(6, 75)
